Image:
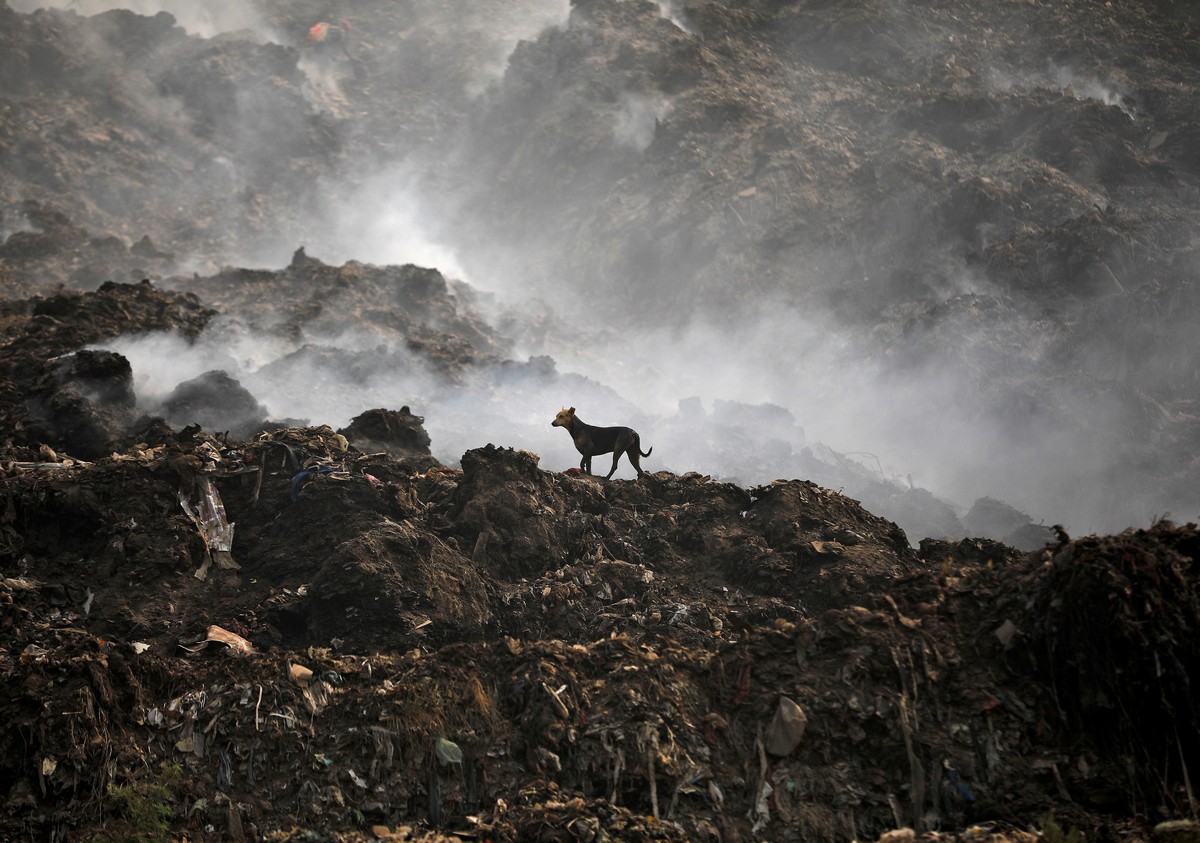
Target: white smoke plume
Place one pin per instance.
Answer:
(750, 397)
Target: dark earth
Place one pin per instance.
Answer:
(218, 622)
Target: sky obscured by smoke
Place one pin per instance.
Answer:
(773, 378)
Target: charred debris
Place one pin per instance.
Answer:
(306, 634)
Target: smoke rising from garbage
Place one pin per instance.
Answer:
(805, 241)
(638, 118)
(777, 369)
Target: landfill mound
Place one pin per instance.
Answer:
(299, 633)
(1015, 181)
(219, 622)
(286, 635)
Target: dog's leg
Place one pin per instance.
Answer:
(585, 464)
(616, 459)
(633, 459)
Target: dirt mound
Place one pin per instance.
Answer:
(87, 406)
(397, 432)
(990, 517)
(215, 401)
(310, 298)
(77, 400)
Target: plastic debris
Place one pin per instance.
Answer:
(224, 770)
(209, 517)
(300, 675)
(302, 476)
(221, 636)
(957, 781)
(787, 728)
(1005, 633)
(448, 752)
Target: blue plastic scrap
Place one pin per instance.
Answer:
(299, 479)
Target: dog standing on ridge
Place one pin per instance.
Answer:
(591, 440)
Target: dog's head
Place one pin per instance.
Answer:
(563, 419)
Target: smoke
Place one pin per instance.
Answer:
(637, 118)
(14, 223)
(915, 422)
(674, 12)
(503, 30)
(207, 19)
(384, 221)
(1065, 79)
(331, 378)
(930, 396)
(780, 395)
(1086, 88)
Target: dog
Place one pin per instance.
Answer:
(591, 441)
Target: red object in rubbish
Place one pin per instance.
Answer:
(320, 32)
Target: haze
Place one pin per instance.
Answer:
(658, 261)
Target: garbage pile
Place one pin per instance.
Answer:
(283, 631)
(1015, 183)
(218, 624)
(288, 635)
(1121, 676)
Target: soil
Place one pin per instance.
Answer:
(218, 625)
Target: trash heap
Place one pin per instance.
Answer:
(385, 648)
(1108, 627)
(272, 629)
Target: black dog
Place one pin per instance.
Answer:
(591, 440)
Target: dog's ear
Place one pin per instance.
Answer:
(571, 411)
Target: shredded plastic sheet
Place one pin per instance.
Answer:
(209, 517)
(214, 526)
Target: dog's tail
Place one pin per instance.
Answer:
(645, 454)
